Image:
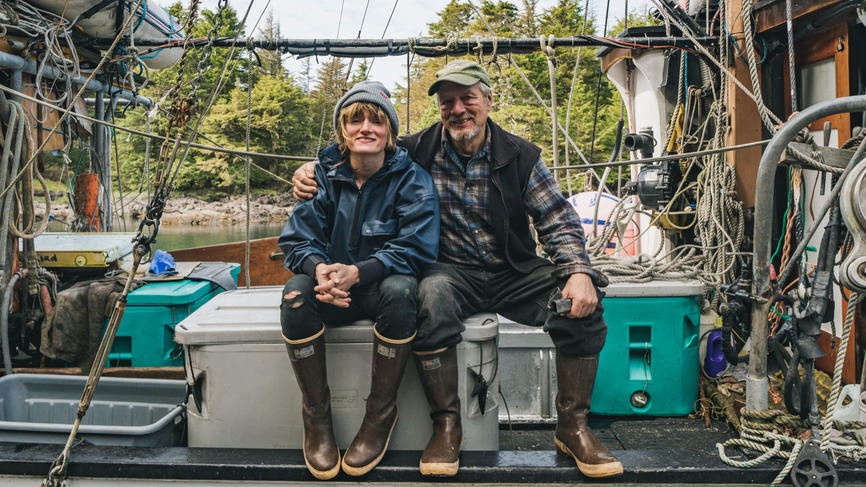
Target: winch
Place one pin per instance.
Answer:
(852, 202)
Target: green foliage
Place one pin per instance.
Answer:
(163, 80)
(635, 19)
(280, 116)
(515, 105)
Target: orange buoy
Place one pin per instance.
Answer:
(86, 197)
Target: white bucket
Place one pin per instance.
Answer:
(851, 405)
(151, 21)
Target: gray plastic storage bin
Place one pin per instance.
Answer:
(250, 399)
(37, 408)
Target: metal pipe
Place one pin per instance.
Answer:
(16, 82)
(756, 382)
(19, 64)
(422, 46)
(109, 190)
(97, 160)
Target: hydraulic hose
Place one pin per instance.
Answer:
(4, 323)
(6, 110)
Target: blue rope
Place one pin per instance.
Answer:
(739, 52)
(143, 7)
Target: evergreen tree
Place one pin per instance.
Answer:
(453, 20)
(229, 25)
(360, 73)
(330, 86)
(528, 22)
(271, 60)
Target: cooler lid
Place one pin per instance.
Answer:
(654, 289)
(175, 291)
(253, 316)
(168, 293)
(239, 316)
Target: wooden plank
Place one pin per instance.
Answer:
(266, 260)
(832, 157)
(49, 116)
(745, 120)
(773, 15)
(173, 373)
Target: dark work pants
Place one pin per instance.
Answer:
(450, 293)
(392, 303)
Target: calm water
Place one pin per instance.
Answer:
(172, 237)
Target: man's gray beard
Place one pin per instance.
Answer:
(464, 137)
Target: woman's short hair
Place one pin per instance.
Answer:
(360, 108)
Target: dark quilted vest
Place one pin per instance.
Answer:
(512, 158)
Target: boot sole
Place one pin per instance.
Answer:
(441, 469)
(596, 471)
(323, 474)
(358, 471)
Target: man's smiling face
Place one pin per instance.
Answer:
(464, 112)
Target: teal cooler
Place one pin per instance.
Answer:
(145, 336)
(649, 363)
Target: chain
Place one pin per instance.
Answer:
(181, 110)
(181, 64)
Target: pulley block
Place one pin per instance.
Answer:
(812, 468)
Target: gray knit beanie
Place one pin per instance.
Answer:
(371, 92)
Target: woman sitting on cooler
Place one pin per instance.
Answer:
(356, 249)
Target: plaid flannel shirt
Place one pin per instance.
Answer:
(466, 235)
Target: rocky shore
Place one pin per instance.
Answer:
(190, 210)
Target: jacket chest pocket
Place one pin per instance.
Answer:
(377, 232)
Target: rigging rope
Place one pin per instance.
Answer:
(370, 66)
(535, 92)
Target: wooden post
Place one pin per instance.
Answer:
(745, 119)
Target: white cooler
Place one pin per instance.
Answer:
(235, 356)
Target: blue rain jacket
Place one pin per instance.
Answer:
(393, 217)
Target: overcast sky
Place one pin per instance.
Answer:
(321, 19)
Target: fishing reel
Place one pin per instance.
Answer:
(852, 203)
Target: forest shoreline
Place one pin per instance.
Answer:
(191, 210)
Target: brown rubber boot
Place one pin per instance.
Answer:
(438, 373)
(321, 453)
(371, 442)
(576, 376)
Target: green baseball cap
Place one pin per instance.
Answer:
(462, 72)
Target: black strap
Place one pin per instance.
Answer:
(96, 8)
